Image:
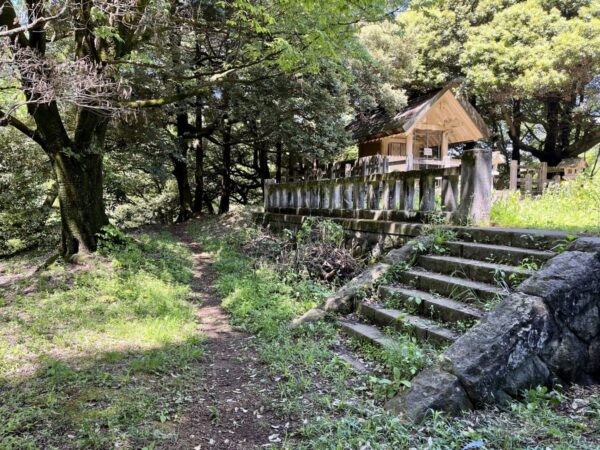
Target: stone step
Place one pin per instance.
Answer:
(457, 288)
(366, 333)
(472, 269)
(439, 308)
(501, 253)
(512, 237)
(423, 329)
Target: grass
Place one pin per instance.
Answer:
(99, 357)
(572, 206)
(331, 406)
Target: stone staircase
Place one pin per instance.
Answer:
(442, 295)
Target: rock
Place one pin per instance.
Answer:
(493, 358)
(570, 285)
(594, 358)
(585, 244)
(569, 357)
(312, 315)
(426, 396)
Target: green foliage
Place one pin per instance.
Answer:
(574, 205)
(314, 229)
(25, 185)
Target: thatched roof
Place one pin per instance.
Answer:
(379, 123)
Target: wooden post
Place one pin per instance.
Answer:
(307, 196)
(444, 147)
(370, 195)
(514, 175)
(316, 196)
(410, 151)
(336, 195)
(528, 183)
(397, 202)
(298, 201)
(450, 193)
(542, 176)
(427, 192)
(348, 204)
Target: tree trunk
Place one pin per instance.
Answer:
(81, 201)
(263, 163)
(551, 149)
(278, 156)
(226, 171)
(516, 134)
(199, 153)
(180, 171)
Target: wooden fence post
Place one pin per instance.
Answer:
(542, 176)
(514, 175)
(427, 193)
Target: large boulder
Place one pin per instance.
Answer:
(546, 332)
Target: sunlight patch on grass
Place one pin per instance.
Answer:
(573, 206)
(109, 346)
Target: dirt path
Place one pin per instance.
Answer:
(228, 411)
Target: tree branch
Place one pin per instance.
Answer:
(16, 123)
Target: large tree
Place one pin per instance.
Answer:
(528, 64)
(70, 65)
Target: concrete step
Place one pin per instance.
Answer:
(501, 253)
(366, 333)
(472, 269)
(454, 287)
(423, 329)
(438, 308)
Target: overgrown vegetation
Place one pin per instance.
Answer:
(573, 205)
(99, 357)
(338, 408)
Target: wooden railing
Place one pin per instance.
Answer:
(386, 191)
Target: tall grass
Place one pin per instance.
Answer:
(572, 205)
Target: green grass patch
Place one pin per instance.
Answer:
(99, 357)
(574, 206)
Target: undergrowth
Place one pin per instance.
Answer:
(333, 406)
